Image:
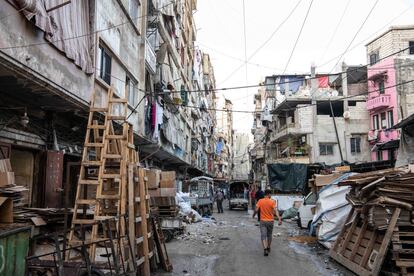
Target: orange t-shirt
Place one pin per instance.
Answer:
(266, 206)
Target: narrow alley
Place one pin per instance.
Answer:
(229, 244)
(142, 137)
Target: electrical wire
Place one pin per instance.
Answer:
(353, 96)
(368, 37)
(335, 30)
(285, 82)
(265, 42)
(356, 34)
(297, 39)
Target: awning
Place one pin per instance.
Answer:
(406, 122)
(379, 75)
(393, 144)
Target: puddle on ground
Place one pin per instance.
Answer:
(189, 265)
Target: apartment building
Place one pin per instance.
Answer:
(54, 56)
(224, 146)
(310, 118)
(259, 131)
(391, 96)
(241, 158)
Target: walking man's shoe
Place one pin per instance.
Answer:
(266, 252)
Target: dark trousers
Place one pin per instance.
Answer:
(220, 206)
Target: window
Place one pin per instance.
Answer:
(375, 122)
(373, 58)
(105, 65)
(130, 87)
(390, 116)
(379, 155)
(383, 121)
(411, 45)
(355, 144)
(381, 87)
(326, 149)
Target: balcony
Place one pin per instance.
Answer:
(381, 101)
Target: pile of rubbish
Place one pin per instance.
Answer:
(378, 234)
(189, 215)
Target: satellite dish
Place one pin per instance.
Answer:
(347, 115)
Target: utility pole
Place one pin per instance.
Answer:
(336, 131)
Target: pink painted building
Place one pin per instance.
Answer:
(383, 109)
(384, 103)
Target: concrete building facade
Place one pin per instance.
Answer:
(390, 98)
(52, 57)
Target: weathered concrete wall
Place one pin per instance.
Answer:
(124, 43)
(241, 156)
(405, 72)
(390, 42)
(356, 126)
(40, 57)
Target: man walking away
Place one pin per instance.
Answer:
(259, 195)
(268, 210)
(219, 200)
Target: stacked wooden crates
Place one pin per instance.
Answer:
(161, 185)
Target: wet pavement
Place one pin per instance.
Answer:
(229, 244)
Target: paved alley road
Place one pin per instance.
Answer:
(231, 246)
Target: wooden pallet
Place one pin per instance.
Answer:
(361, 249)
(402, 249)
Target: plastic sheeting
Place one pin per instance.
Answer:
(288, 177)
(406, 149)
(332, 208)
(285, 202)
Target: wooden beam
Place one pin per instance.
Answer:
(385, 242)
(143, 211)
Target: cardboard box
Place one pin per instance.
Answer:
(6, 178)
(154, 192)
(167, 179)
(322, 180)
(153, 176)
(167, 191)
(5, 165)
(6, 210)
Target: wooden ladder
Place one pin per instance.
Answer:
(102, 184)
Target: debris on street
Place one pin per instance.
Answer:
(377, 235)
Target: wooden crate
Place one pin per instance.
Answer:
(361, 249)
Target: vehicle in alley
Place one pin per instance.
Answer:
(201, 194)
(307, 211)
(237, 198)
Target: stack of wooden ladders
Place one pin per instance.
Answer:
(103, 209)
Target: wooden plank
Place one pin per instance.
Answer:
(349, 234)
(144, 221)
(131, 209)
(369, 249)
(384, 246)
(350, 265)
(358, 240)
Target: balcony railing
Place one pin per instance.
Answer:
(381, 101)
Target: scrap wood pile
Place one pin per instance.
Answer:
(379, 232)
(8, 187)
